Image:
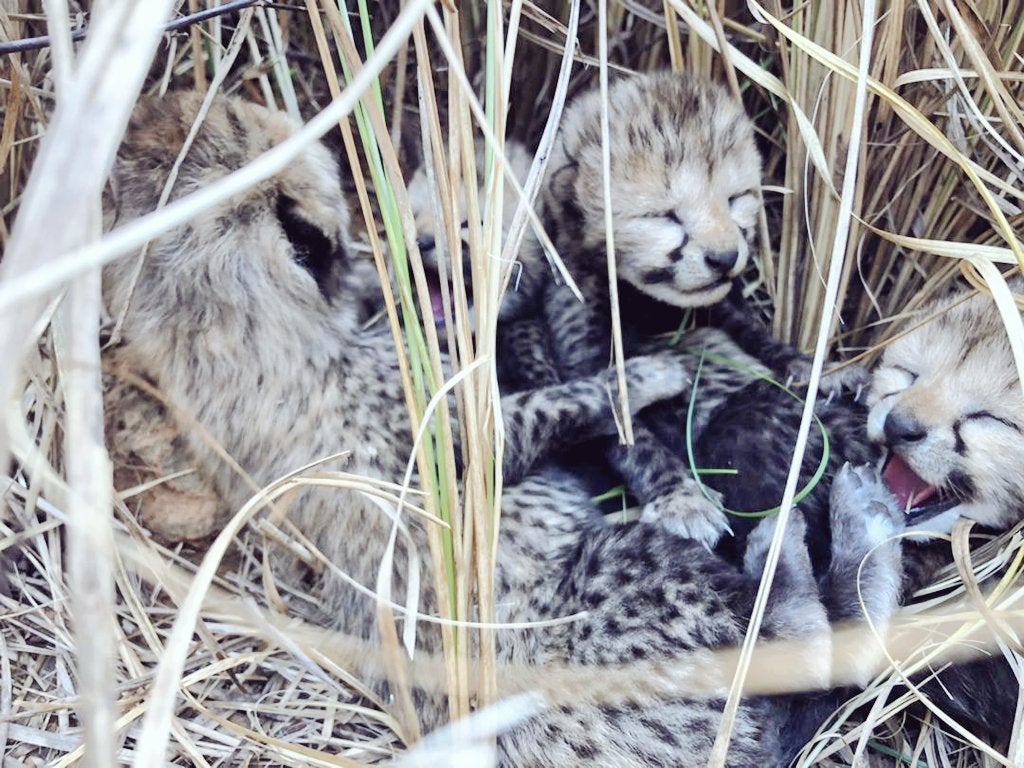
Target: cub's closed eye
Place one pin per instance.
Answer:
(670, 215)
(986, 416)
(737, 197)
(904, 378)
(906, 371)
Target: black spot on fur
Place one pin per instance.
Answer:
(245, 214)
(238, 126)
(656, 276)
(660, 731)
(314, 250)
(962, 485)
(583, 750)
(965, 353)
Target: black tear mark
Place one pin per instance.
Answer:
(959, 446)
(656, 276)
(314, 250)
(961, 485)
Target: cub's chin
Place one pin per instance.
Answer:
(684, 297)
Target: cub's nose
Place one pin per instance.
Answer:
(902, 428)
(425, 243)
(722, 261)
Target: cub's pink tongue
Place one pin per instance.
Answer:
(909, 489)
(436, 302)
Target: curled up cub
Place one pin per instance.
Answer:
(685, 194)
(244, 318)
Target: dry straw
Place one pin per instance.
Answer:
(115, 649)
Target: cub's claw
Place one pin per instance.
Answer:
(852, 378)
(686, 512)
(863, 511)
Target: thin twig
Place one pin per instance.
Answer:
(38, 43)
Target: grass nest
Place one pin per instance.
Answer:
(929, 192)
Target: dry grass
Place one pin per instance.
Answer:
(89, 600)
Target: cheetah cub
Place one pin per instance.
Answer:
(524, 356)
(945, 401)
(247, 320)
(527, 273)
(685, 175)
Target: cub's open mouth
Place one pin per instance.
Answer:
(436, 296)
(919, 499)
(436, 293)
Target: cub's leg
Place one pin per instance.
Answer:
(662, 482)
(525, 359)
(865, 566)
(734, 316)
(540, 420)
(659, 479)
(866, 555)
(794, 609)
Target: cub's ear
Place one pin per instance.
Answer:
(313, 250)
(563, 179)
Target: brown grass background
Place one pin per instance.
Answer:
(88, 600)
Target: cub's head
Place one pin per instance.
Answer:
(945, 399)
(685, 181)
(529, 268)
(275, 252)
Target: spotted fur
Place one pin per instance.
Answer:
(741, 423)
(945, 398)
(685, 181)
(245, 319)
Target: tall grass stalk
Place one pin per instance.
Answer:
(57, 215)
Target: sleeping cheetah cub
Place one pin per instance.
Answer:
(524, 356)
(244, 319)
(946, 401)
(952, 416)
(685, 175)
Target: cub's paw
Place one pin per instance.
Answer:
(866, 568)
(834, 378)
(652, 378)
(760, 539)
(686, 512)
(851, 377)
(863, 511)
